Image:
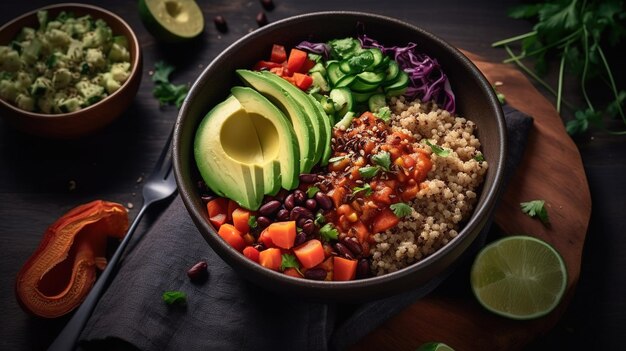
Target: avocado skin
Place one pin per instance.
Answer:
(157, 30)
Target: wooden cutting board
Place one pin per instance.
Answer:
(552, 170)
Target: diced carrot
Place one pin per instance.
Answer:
(292, 272)
(251, 253)
(302, 81)
(283, 234)
(361, 231)
(249, 239)
(232, 206)
(344, 209)
(271, 258)
(240, 219)
(307, 65)
(218, 220)
(232, 236)
(296, 60)
(265, 65)
(383, 195)
(217, 206)
(386, 219)
(424, 165)
(327, 264)
(337, 195)
(410, 193)
(279, 54)
(344, 269)
(310, 254)
(265, 239)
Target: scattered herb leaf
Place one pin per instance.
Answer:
(311, 191)
(337, 158)
(367, 189)
(369, 171)
(536, 208)
(401, 209)
(175, 297)
(252, 222)
(164, 91)
(384, 113)
(479, 157)
(328, 232)
(289, 261)
(319, 219)
(382, 159)
(438, 150)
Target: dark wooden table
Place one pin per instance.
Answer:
(42, 179)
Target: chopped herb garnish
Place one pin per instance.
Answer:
(319, 219)
(164, 91)
(328, 232)
(536, 208)
(337, 158)
(401, 209)
(252, 222)
(311, 191)
(369, 171)
(175, 297)
(479, 157)
(438, 150)
(366, 189)
(382, 159)
(384, 113)
(162, 72)
(289, 261)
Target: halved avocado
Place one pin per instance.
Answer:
(245, 148)
(172, 20)
(292, 109)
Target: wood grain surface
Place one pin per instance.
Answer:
(552, 170)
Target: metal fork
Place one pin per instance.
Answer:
(159, 186)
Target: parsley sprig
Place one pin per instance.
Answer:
(536, 208)
(164, 90)
(576, 32)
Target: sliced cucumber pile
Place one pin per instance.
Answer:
(355, 77)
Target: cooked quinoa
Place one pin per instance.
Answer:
(446, 198)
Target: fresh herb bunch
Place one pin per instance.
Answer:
(575, 31)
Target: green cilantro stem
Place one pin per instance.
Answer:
(583, 78)
(566, 40)
(513, 39)
(613, 86)
(559, 90)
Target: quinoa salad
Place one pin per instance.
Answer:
(349, 162)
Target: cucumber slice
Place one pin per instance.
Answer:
(378, 58)
(319, 81)
(361, 97)
(391, 73)
(399, 87)
(366, 82)
(342, 99)
(376, 101)
(334, 72)
(345, 81)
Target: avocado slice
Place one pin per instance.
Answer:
(172, 20)
(292, 109)
(245, 148)
(327, 129)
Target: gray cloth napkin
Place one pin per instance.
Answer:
(226, 312)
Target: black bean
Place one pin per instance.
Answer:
(267, 4)
(290, 202)
(282, 194)
(300, 238)
(261, 19)
(311, 204)
(300, 222)
(282, 214)
(269, 208)
(363, 269)
(263, 221)
(353, 244)
(298, 212)
(315, 274)
(259, 246)
(342, 250)
(308, 177)
(299, 196)
(308, 227)
(323, 200)
(198, 273)
(220, 24)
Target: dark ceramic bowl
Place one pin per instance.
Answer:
(476, 100)
(89, 119)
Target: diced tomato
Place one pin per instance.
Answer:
(217, 206)
(240, 219)
(382, 195)
(232, 206)
(338, 195)
(410, 193)
(296, 60)
(302, 81)
(271, 258)
(292, 272)
(362, 233)
(265, 239)
(308, 64)
(251, 253)
(232, 236)
(249, 239)
(218, 219)
(279, 54)
(386, 219)
(266, 65)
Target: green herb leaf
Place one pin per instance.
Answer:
(289, 261)
(175, 297)
(366, 189)
(382, 159)
(252, 222)
(536, 208)
(369, 171)
(401, 209)
(311, 191)
(164, 91)
(162, 72)
(384, 113)
(438, 150)
(328, 232)
(319, 219)
(337, 158)
(479, 157)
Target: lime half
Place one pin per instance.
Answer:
(434, 346)
(519, 277)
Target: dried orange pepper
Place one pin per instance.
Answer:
(60, 273)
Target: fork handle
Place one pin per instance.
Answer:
(68, 337)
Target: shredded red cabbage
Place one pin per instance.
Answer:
(428, 82)
(318, 48)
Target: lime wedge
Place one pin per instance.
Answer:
(519, 277)
(172, 20)
(434, 346)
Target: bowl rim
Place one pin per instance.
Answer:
(135, 64)
(480, 213)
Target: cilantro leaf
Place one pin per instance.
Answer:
(162, 72)
(369, 171)
(319, 219)
(174, 297)
(536, 208)
(366, 189)
(337, 158)
(401, 209)
(252, 222)
(311, 191)
(289, 261)
(164, 91)
(438, 150)
(328, 232)
(382, 159)
(384, 113)
(479, 157)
